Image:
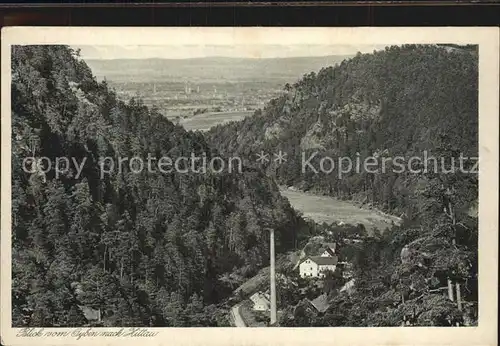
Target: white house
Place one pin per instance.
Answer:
(260, 301)
(316, 266)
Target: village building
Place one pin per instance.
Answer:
(317, 266)
(330, 250)
(261, 301)
(346, 269)
(321, 303)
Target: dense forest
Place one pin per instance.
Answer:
(144, 249)
(168, 249)
(401, 101)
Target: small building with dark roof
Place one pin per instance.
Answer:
(321, 303)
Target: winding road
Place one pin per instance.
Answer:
(236, 316)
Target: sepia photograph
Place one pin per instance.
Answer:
(232, 183)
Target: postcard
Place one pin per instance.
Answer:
(249, 186)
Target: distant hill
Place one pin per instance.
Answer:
(210, 68)
(400, 101)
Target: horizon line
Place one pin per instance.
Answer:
(220, 57)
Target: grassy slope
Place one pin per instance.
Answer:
(327, 209)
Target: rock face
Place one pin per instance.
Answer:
(332, 124)
(313, 139)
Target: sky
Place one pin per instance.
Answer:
(240, 51)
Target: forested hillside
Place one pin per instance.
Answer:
(142, 248)
(402, 101)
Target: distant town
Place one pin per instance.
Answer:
(184, 100)
(213, 90)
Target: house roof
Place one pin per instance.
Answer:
(320, 303)
(259, 296)
(330, 248)
(324, 260)
(330, 251)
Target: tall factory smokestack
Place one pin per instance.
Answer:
(273, 281)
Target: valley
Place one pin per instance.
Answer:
(199, 93)
(183, 249)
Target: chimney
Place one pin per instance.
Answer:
(273, 281)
